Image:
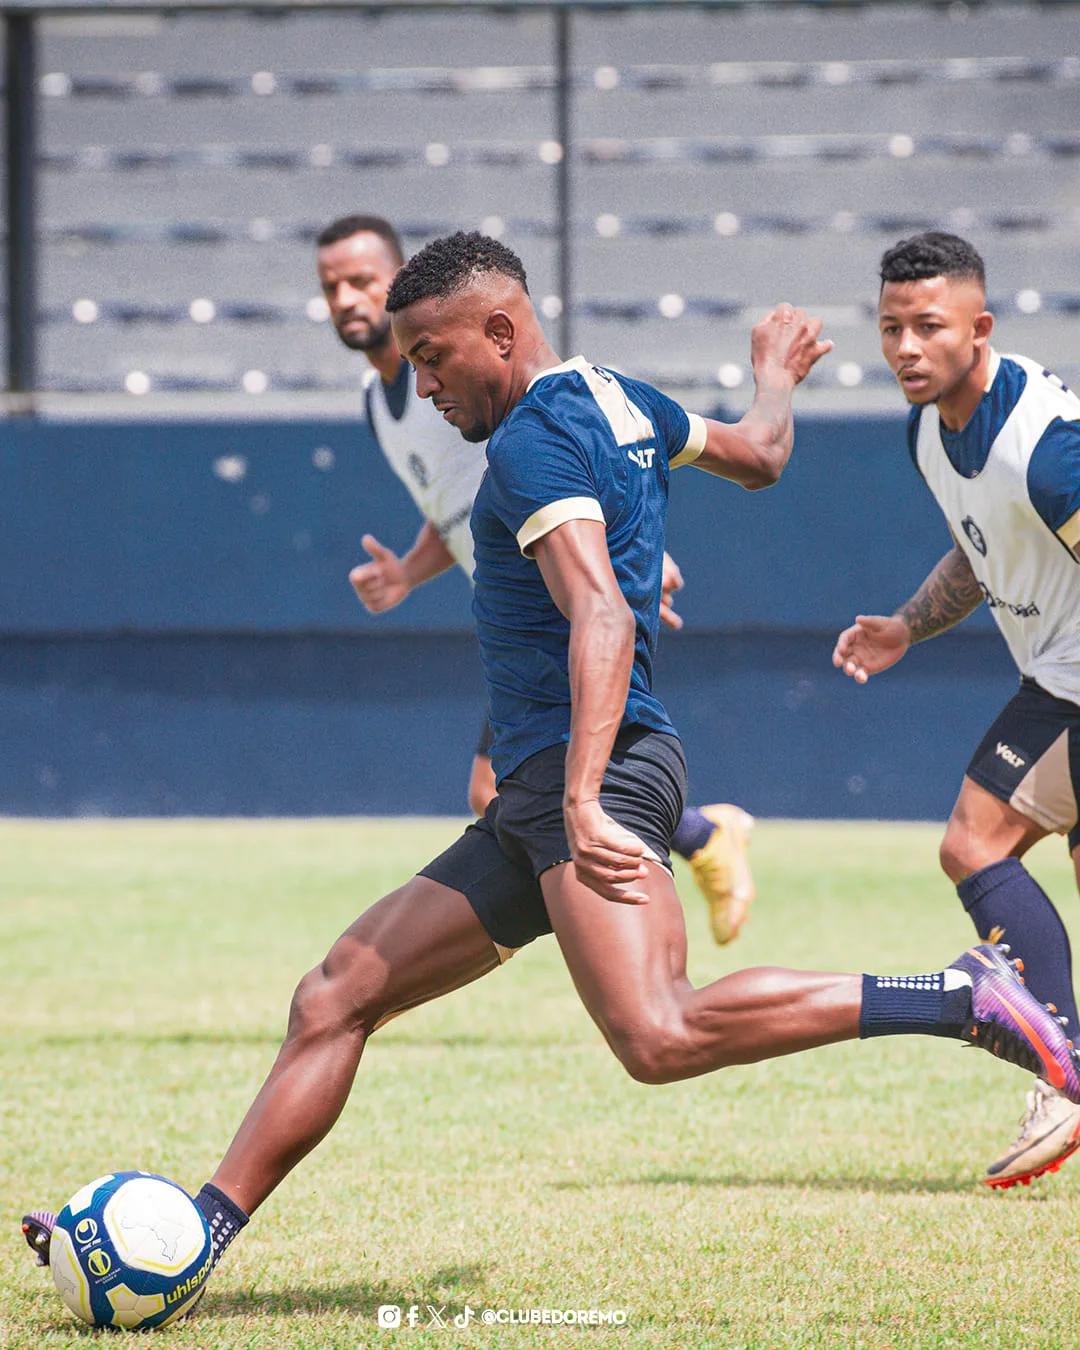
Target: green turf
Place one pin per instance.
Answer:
(493, 1153)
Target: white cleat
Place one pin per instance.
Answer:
(1049, 1133)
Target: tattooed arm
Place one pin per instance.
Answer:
(874, 643)
(948, 594)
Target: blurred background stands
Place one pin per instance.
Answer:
(720, 158)
(177, 524)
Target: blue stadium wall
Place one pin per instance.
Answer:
(178, 636)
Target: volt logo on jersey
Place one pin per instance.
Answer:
(978, 540)
(643, 458)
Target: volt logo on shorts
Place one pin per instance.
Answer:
(1009, 755)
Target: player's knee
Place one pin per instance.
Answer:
(949, 856)
(962, 853)
(329, 1000)
(651, 1052)
(307, 1010)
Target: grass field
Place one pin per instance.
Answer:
(493, 1154)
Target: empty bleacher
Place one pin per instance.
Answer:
(722, 159)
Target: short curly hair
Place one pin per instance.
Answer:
(448, 265)
(933, 254)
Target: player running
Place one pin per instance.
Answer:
(997, 439)
(357, 259)
(568, 528)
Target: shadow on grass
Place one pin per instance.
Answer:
(223, 1036)
(472, 1041)
(114, 1035)
(789, 1181)
(446, 1290)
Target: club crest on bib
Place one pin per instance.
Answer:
(976, 536)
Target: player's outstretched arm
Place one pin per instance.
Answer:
(784, 347)
(874, 642)
(387, 579)
(574, 562)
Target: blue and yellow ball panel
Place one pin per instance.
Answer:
(130, 1249)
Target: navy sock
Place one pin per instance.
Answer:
(224, 1216)
(692, 832)
(1006, 896)
(915, 1005)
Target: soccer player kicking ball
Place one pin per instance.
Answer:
(569, 537)
(357, 258)
(997, 439)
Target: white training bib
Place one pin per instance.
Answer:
(1029, 578)
(440, 470)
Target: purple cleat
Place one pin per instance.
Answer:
(1011, 1023)
(38, 1228)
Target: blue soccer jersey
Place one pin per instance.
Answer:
(582, 444)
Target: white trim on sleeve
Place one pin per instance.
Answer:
(695, 442)
(553, 515)
(1069, 533)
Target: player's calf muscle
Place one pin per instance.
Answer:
(665, 1046)
(743, 1018)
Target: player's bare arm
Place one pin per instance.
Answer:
(875, 642)
(576, 568)
(671, 581)
(387, 579)
(950, 593)
(752, 452)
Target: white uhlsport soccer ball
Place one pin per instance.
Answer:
(130, 1250)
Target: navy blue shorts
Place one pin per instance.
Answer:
(497, 862)
(1030, 758)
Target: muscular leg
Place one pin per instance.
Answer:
(413, 945)
(629, 965)
(982, 830)
(981, 852)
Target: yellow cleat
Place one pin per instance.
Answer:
(722, 870)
